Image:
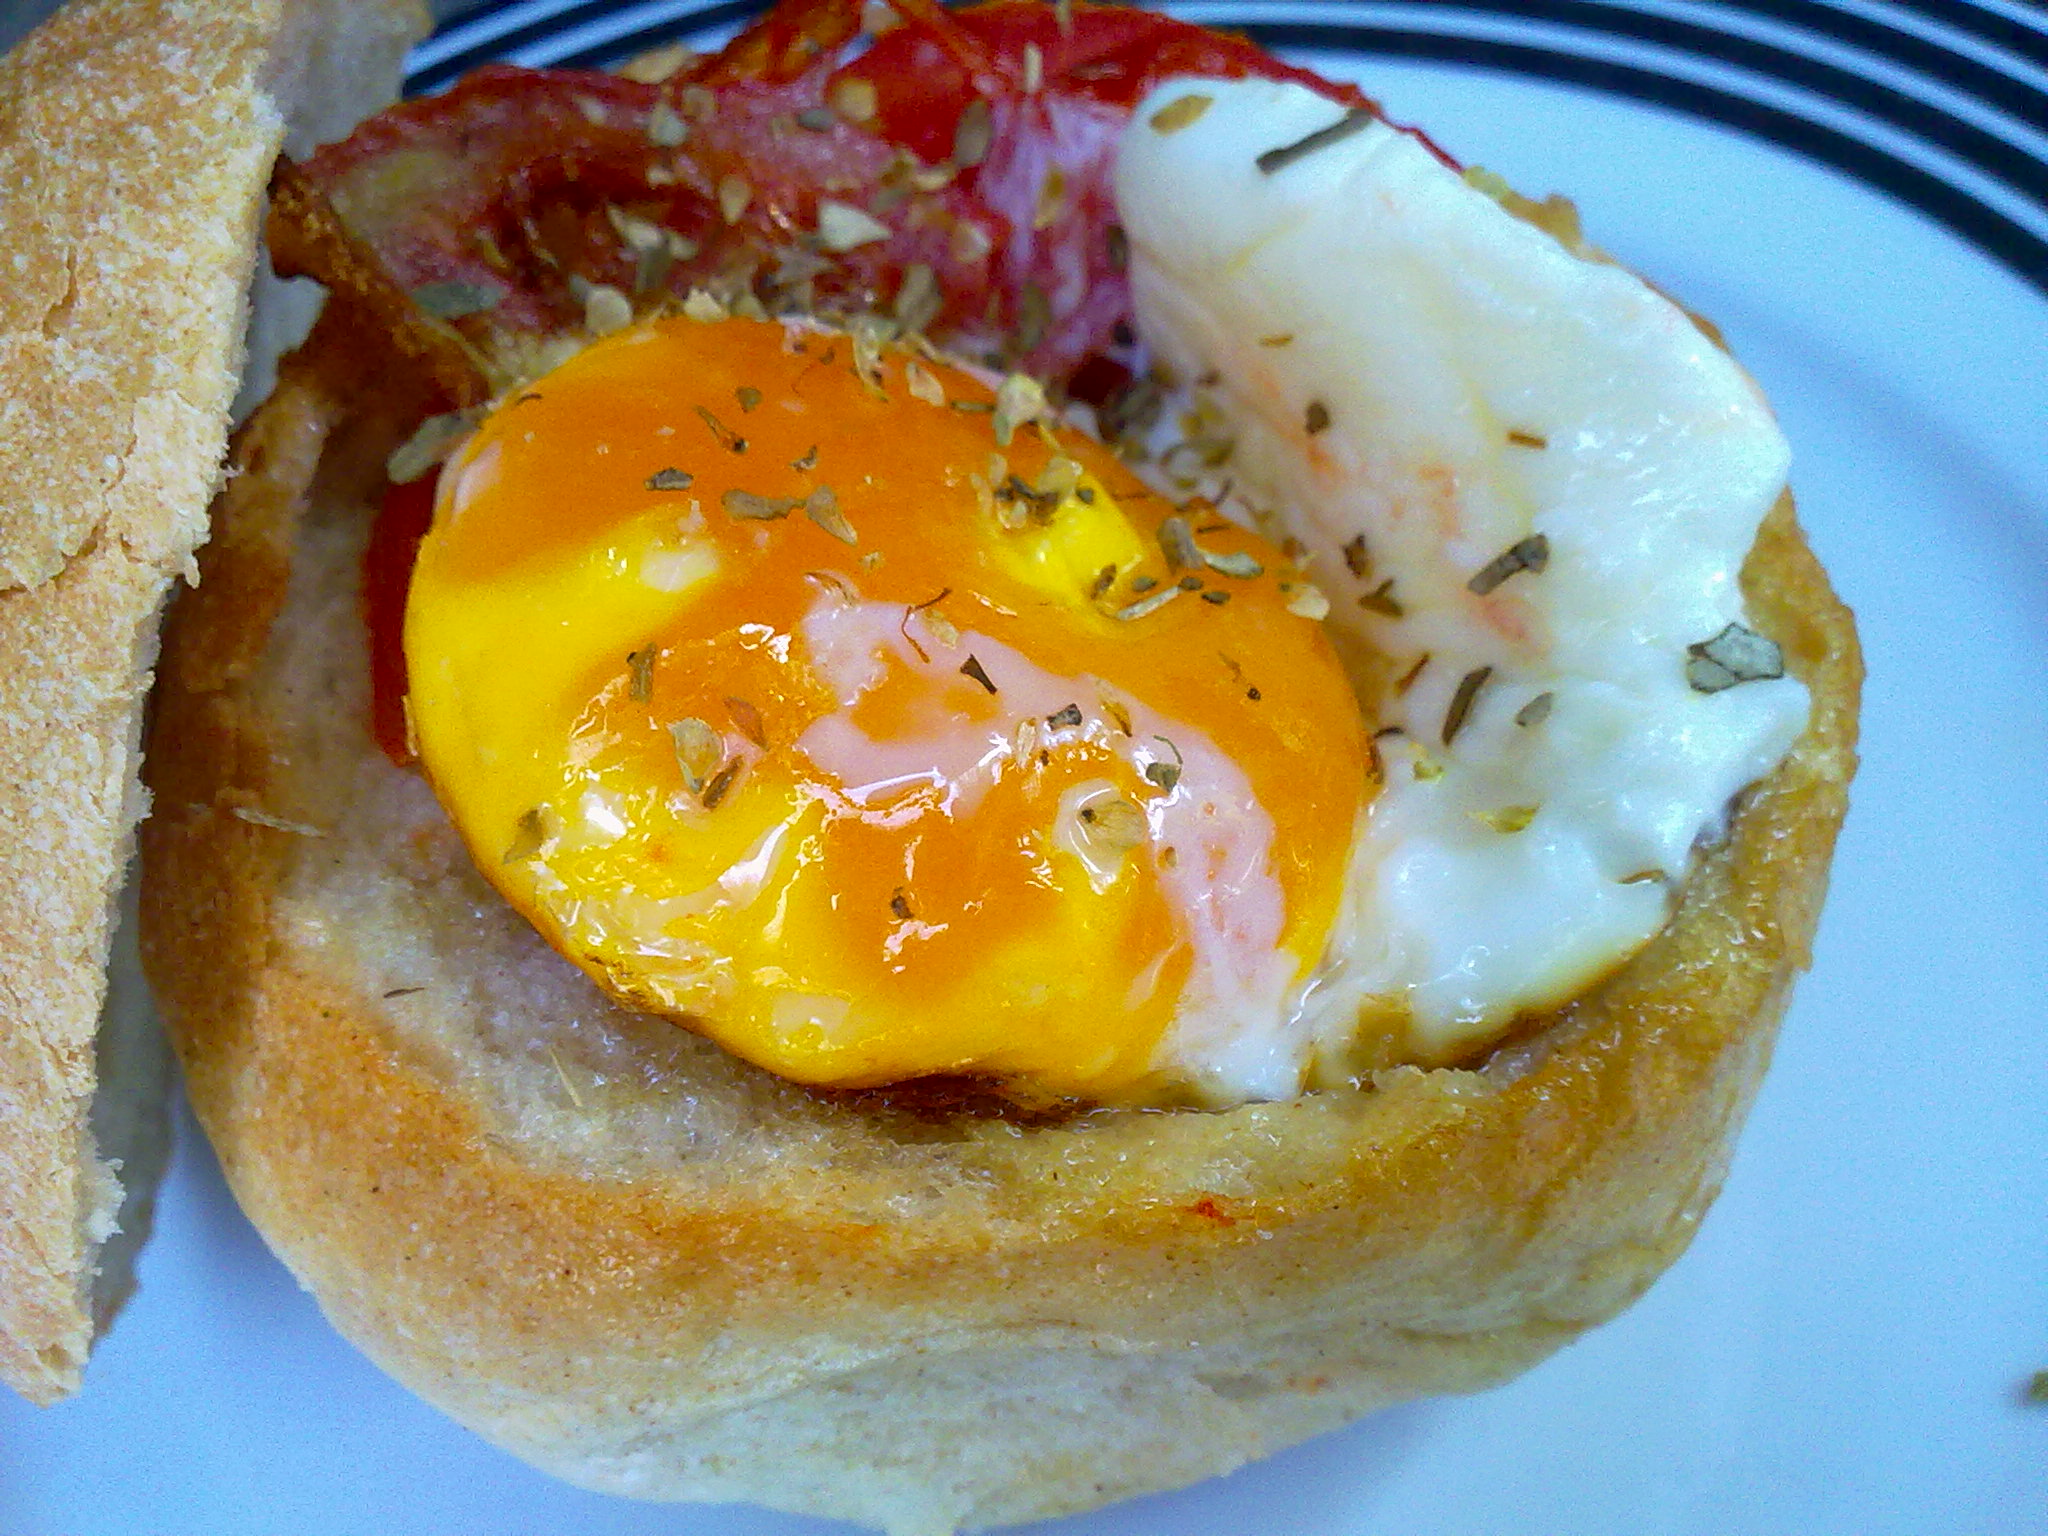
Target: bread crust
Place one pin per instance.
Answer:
(1048, 1316)
(135, 140)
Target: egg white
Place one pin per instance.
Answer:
(1395, 354)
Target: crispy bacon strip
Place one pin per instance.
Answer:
(308, 239)
(982, 140)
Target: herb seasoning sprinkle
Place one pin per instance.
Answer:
(728, 439)
(527, 837)
(822, 508)
(670, 480)
(1461, 702)
(1305, 601)
(746, 507)
(1736, 655)
(1237, 563)
(720, 784)
(455, 298)
(1147, 605)
(1356, 558)
(1381, 600)
(1116, 824)
(1276, 160)
(1162, 773)
(923, 384)
(698, 750)
(1181, 112)
(641, 664)
(748, 719)
(1509, 818)
(973, 668)
(1119, 249)
(1531, 554)
(256, 818)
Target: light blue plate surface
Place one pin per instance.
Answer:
(1845, 1347)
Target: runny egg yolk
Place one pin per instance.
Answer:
(789, 701)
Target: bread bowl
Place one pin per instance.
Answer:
(1262, 1289)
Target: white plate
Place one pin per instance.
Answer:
(1846, 1346)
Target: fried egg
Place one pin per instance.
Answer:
(867, 718)
(823, 699)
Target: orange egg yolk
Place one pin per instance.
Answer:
(789, 700)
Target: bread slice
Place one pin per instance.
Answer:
(135, 142)
(653, 1269)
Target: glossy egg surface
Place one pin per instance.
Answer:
(857, 714)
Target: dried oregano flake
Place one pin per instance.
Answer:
(1531, 554)
(822, 508)
(1177, 543)
(1275, 160)
(1735, 655)
(1115, 824)
(1237, 563)
(1181, 112)
(1159, 772)
(720, 784)
(699, 750)
(973, 668)
(527, 837)
(640, 666)
(1381, 600)
(1461, 702)
(748, 719)
(728, 439)
(746, 507)
(1357, 559)
(455, 298)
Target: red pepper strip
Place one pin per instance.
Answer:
(407, 513)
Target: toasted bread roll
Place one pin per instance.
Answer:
(135, 141)
(652, 1269)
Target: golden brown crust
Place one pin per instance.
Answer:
(711, 1319)
(134, 144)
